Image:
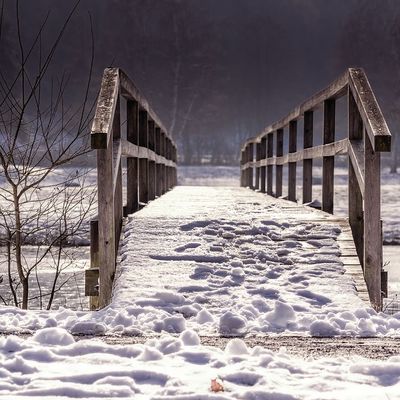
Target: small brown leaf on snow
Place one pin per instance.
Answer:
(216, 386)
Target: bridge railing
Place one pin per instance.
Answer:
(368, 135)
(150, 171)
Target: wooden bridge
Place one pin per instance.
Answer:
(151, 158)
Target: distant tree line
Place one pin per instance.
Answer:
(218, 72)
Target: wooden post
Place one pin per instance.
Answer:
(308, 163)
(105, 198)
(264, 168)
(258, 158)
(292, 165)
(152, 164)
(250, 169)
(143, 162)
(279, 168)
(165, 188)
(175, 168)
(270, 153)
(118, 199)
(372, 224)
(162, 167)
(158, 166)
(168, 157)
(328, 163)
(92, 277)
(242, 172)
(132, 135)
(356, 215)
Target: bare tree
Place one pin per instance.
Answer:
(39, 136)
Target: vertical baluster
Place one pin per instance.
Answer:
(175, 168)
(292, 165)
(105, 196)
(372, 223)
(158, 165)
(118, 199)
(242, 171)
(356, 215)
(92, 275)
(152, 164)
(250, 169)
(270, 153)
(263, 168)
(258, 158)
(279, 168)
(328, 163)
(168, 156)
(132, 135)
(143, 160)
(308, 163)
(162, 166)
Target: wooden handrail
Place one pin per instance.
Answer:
(151, 171)
(368, 136)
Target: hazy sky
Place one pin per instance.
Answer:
(219, 69)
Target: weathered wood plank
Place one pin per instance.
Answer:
(263, 168)
(279, 168)
(372, 224)
(270, 153)
(337, 148)
(292, 165)
(308, 163)
(328, 162)
(250, 156)
(130, 91)
(356, 156)
(143, 159)
(117, 172)
(129, 149)
(335, 90)
(152, 162)
(369, 109)
(104, 115)
(355, 187)
(258, 158)
(105, 196)
(92, 283)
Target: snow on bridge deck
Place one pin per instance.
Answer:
(233, 261)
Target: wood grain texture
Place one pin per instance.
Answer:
(279, 168)
(371, 114)
(103, 118)
(328, 162)
(356, 176)
(292, 164)
(107, 250)
(132, 136)
(270, 153)
(372, 225)
(258, 158)
(335, 90)
(263, 169)
(308, 163)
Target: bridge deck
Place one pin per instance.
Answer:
(236, 261)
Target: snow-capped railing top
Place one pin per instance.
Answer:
(150, 169)
(368, 135)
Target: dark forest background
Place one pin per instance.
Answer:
(218, 71)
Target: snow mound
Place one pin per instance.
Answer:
(53, 337)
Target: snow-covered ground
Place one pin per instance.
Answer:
(243, 271)
(52, 365)
(230, 176)
(224, 261)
